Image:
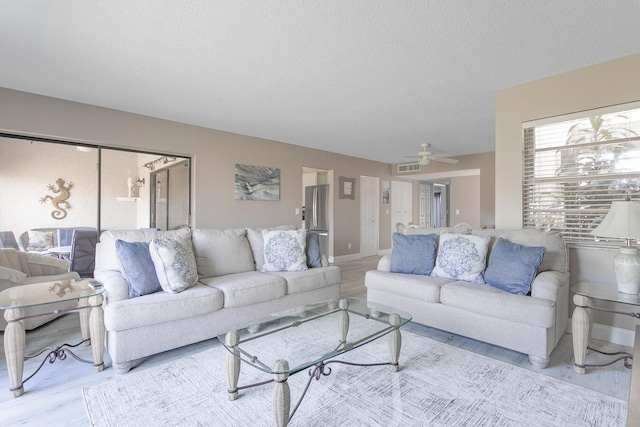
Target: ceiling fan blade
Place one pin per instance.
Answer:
(444, 160)
(441, 155)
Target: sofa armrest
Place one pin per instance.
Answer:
(115, 285)
(11, 276)
(324, 260)
(385, 263)
(549, 284)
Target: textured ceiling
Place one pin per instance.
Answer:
(370, 79)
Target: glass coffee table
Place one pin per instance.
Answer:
(308, 337)
(15, 300)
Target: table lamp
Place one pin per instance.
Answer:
(623, 221)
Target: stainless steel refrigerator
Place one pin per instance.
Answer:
(316, 213)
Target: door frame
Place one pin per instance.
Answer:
(368, 199)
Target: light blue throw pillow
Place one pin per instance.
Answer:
(313, 250)
(414, 254)
(137, 268)
(512, 267)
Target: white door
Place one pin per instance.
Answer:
(425, 205)
(369, 215)
(401, 203)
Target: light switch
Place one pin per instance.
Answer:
(457, 211)
(297, 211)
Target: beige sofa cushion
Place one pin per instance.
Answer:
(314, 278)
(247, 288)
(161, 307)
(221, 252)
(415, 286)
(492, 302)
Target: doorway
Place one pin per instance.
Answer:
(317, 206)
(440, 205)
(369, 215)
(401, 203)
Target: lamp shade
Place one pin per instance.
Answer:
(622, 220)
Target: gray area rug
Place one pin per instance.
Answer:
(438, 385)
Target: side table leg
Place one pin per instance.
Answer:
(84, 320)
(581, 330)
(96, 331)
(232, 363)
(14, 341)
(395, 341)
(281, 396)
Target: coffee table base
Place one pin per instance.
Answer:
(281, 394)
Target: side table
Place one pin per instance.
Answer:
(14, 300)
(582, 320)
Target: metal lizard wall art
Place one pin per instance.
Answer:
(59, 202)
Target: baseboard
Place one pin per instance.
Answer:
(384, 252)
(345, 258)
(610, 334)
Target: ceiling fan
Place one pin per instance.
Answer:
(425, 157)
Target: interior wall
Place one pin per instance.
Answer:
(464, 200)
(214, 154)
(610, 83)
(485, 162)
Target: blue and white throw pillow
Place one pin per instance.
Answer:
(175, 263)
(461, 257)
(284, 250)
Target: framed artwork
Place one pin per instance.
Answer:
(347, 188)
(386, 192)
(257, 183)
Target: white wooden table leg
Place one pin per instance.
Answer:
(14, 341)
(232, 363)
(581, 329)
(96, 331)
(395, 342)
(281, 396)
(344, 320)
(84, 320)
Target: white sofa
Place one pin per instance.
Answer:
(530, 324)
(229, 291)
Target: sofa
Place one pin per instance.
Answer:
(529, 317)
(20, 268)
(230, 286)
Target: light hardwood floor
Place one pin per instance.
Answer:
(53, 397)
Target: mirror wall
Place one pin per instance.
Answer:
(56, 184)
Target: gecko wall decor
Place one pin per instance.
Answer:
(61, 191)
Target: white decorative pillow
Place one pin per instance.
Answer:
(40, 240)
(174, 263)
(461, 257)
(284, 250)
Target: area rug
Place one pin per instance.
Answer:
(437, 385)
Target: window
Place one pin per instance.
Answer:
(575, 167)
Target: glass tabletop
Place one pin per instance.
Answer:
(604, 292)
(43, 293)
(308, 335)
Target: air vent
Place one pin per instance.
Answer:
(409, 167)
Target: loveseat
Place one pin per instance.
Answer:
(230, 287)
(524, 308)
(19, 268)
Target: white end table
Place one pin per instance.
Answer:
(582, 320)
(14, 300)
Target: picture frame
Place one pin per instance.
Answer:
(347, 188)
(386, 192)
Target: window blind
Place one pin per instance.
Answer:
(574, 169)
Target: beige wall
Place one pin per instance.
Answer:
(610, 83)
(464, 201)
(214, 154)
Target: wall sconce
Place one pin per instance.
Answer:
(140, 182)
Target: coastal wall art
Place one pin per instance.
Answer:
(257, 183)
